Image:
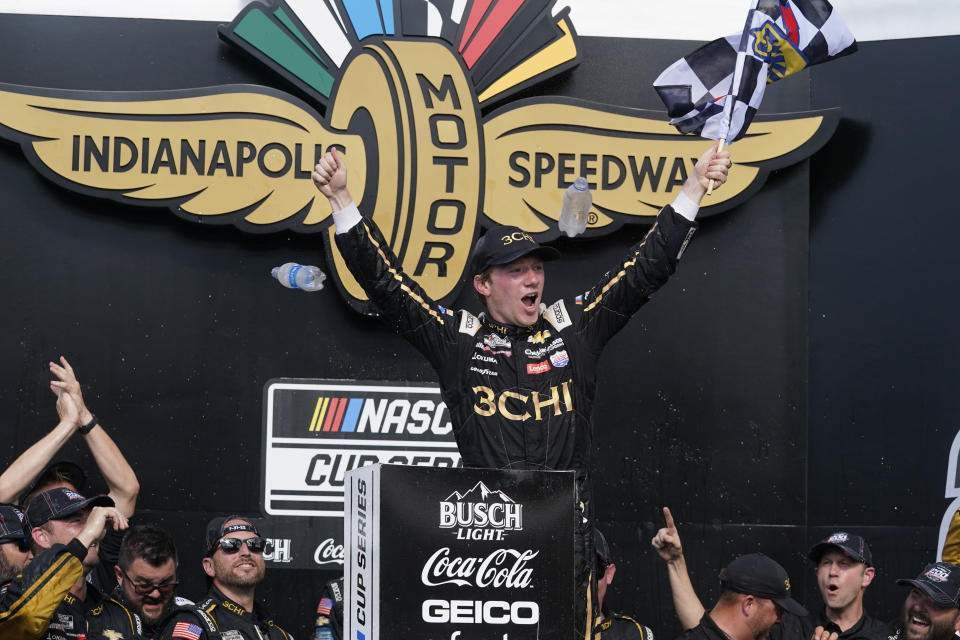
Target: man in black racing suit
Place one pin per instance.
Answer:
(520, 380)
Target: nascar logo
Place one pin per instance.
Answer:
(316, 431)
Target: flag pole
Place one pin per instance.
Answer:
(735, 83)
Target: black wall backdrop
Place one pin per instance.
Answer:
(795, 377)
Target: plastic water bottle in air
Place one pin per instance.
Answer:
(299, 276)
(576, 208)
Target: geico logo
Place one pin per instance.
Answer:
(516, 236)
(190, 157)
(480, 612)
(399, 415)
(612, 171)
(500, 568)
(226, 604)
(516, 406)
(328, 552)
(498, 515)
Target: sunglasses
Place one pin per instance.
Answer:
(146, 588)
(255, 545)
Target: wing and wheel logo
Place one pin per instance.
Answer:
(400, 86)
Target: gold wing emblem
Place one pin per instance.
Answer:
(239, 155)
(634, 160)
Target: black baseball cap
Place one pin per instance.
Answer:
(852, 545)
(940, 581)
(63, 470)
(217, 528)
(504, 244)
(59, 502)
(12, 526)
(757, 575)
(603, 549)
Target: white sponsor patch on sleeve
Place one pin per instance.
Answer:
(469, 324)
(556, 314)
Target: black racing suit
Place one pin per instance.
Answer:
(522, 397)
(616, 626)
(91, 619)
(329, 624)
(217, 617)
(28, 602)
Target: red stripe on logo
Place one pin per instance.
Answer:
(331, 412)
(339, 418)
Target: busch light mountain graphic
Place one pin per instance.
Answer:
(480, 514)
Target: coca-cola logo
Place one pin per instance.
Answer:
(500, 568)
(328, 552)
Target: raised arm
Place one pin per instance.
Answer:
(330, 178)
(609, 305)
(667, 543)
(121, 481)
(29, 464)
(402, 303)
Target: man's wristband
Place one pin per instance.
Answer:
(86, 428)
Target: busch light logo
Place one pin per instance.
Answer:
(938, 573)
(837, 538)
(280, 551)
(480, 514)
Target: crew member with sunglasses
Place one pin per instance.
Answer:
(51, 586)
(233, 562)
(147, 577)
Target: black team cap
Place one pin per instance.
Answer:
(504, 244)
(852, 546)
(57, 503)
(216, 530)
(12, 526)
(757, 575)
(64, 470)
(603, 549)
(940, 581)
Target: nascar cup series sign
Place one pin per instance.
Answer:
(315, 431)
(473, 554)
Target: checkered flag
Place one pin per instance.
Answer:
(715, 91)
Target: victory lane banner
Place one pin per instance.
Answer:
(474, 554)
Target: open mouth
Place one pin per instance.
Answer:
(529, 300)
(919, 621)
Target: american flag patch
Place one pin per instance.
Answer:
(324, 607)
(186, 630)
